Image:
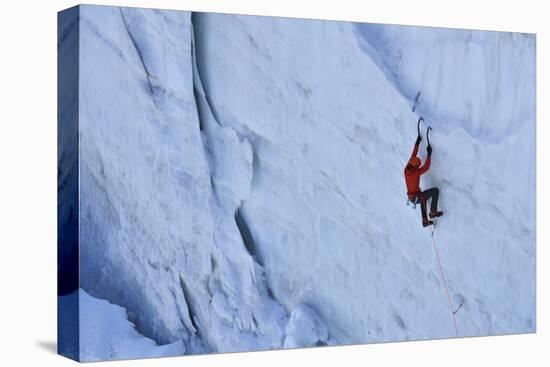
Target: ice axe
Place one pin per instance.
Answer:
(418, 125)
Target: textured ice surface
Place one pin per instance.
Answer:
(482, 82)
(249, 195)
(327, 108)
(156, 238)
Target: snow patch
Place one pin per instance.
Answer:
(105, 332)
(305, 328)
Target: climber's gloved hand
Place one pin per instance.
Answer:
(429, 149)
(418, 140)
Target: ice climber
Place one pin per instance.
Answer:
(413, 171)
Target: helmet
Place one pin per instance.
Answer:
(415, 162)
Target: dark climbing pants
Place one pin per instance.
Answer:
(433, 194)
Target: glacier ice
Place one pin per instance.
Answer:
(479, 81)
(158, 234)
(331, 126)
(241, 179)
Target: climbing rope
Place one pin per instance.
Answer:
(451, 308)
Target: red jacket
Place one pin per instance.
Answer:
(412, 174)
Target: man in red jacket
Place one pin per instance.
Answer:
(413, 171)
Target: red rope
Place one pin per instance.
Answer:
(445, 284)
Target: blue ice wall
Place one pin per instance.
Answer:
(67, 180)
